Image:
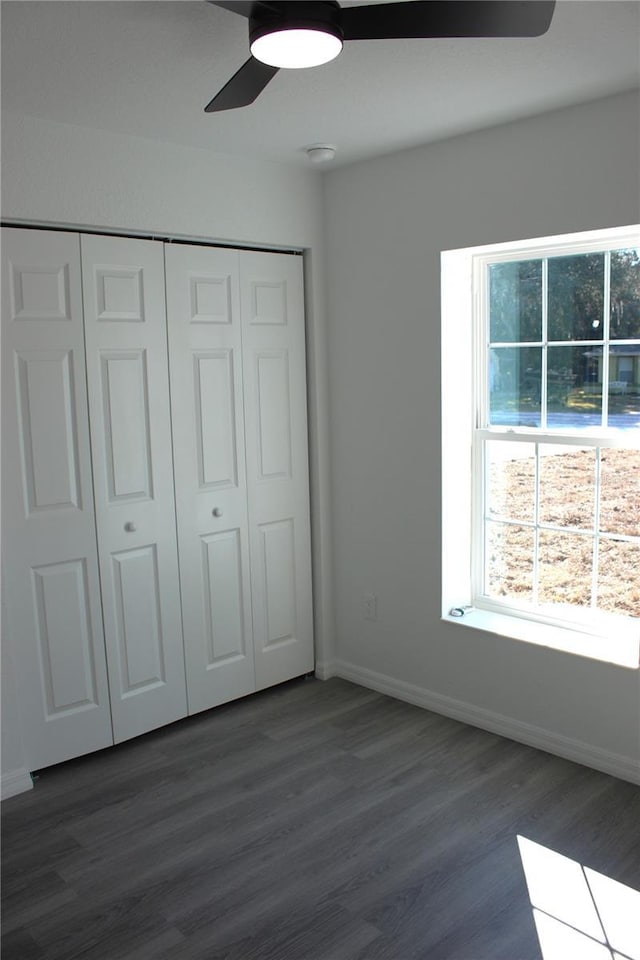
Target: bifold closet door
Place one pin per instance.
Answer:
(205, 354)
(50, 569)
(125, 329)
(273, 346)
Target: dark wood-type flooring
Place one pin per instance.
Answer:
(313, 821)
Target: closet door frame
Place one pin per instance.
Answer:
(258, 519)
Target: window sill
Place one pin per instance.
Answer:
(622, 651)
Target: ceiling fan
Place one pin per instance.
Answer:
(306, 33)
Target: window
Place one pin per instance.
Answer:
(541, 441)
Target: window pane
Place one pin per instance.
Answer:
(574, 387)
(619, 577)
(576, 297)
(620, 492)
(567, 486)
(624, 385)
(625, 295)
(509, 561)
(511, 480)
(515, 385)
(515, 301)
(564, 568)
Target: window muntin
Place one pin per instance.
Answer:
(557, 439)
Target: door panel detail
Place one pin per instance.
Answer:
(40, 293)
(64, 634)
(215, 419)
(207, 415)
(52, 616)
(269, 302)
(138, 619)
(126, 424)
(278, 552)
(47, 429)
(130, 414)
(274, 414)
(273, 348)
(119, 294)
(210, 299)
(224, 602)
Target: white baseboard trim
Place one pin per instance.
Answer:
(14, 782)
(612, 763)
(325, 669)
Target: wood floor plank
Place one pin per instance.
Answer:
(312, 821)
(19, 945)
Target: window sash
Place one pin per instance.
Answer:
(595, 437)
(594, 534)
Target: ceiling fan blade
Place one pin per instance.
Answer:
(243, 88)
(242, 7)
(448, 18)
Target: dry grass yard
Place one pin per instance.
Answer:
(565, 554)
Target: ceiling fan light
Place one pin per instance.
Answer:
(297, 47)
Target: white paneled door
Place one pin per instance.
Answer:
(125, 323)
(156, 535)
(273, 346)
(205, 359)
(50, 571)
(238, 388)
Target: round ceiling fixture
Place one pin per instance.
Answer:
(297, 35)
(293, 49)
(320, 152)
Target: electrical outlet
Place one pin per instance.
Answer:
(370, 606)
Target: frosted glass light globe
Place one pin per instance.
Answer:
(296, 48)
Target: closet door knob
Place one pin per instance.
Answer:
(130, 526)
(217, 512)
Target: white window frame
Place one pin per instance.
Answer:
(464, 386)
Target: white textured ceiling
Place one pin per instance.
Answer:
(148, 68)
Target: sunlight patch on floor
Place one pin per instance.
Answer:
(579, 912)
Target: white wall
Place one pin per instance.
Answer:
(57, 172)
(63, 174)
(387, 221)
